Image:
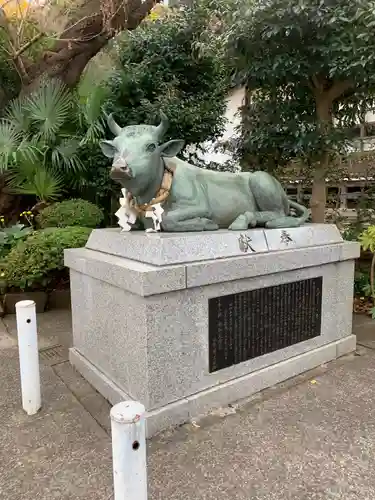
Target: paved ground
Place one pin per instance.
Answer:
(310, 438)
(59, 453)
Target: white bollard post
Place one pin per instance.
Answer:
(129, 451)
(29, 356)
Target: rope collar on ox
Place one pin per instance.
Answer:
(161, 195)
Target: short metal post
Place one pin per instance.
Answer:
(129, 451)
(29, 356)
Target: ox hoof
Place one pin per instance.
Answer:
(210, 226)
(240, 224)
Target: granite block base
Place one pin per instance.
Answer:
(143, 329)
(230, 392)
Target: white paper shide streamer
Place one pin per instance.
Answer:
(127, 215)
(156, 215)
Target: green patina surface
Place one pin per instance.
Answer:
(199, 200)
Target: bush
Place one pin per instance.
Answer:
(96, 185)
(362, 287)
(10, 236)
(34, 262)
(70, 213)
(168, 65)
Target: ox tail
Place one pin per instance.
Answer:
(291, 221)
(288, 220)
(303, 213)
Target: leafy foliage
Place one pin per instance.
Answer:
(32, 263)
(367, 241)
(305, 39)
(10, 236)
(169, 64)
(70, 213)
(309, 70)
(47, 110)
(42, 137)
(364, 215)
(362, 285)
(95, 183)
(278, 129)
(30, 178)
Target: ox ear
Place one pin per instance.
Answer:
(171, 148)
(108, 149)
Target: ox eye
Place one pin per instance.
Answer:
(150, 147)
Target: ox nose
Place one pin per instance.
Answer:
(121, 170)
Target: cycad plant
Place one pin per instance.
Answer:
(42, 136)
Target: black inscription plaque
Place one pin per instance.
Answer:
(249, 324)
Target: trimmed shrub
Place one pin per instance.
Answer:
(70, 213)
(34, 262)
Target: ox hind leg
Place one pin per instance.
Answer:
(272, 202)
(252, 219)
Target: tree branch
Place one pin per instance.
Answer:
(338, 89)
(28, 44)
(317, 84)
(311, 86)
(86, 37)
(23, 16)
(76, 25)
(13, 43)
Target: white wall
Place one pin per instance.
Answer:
(234, 102)
(370, 117)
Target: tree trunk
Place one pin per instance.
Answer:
(85, 37)
(319, 190)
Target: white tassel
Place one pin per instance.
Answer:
(126, 214)
(156, 215)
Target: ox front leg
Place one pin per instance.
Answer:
(188, 219)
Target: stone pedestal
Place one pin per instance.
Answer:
(188, 322)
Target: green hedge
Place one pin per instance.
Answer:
(34, 261)
(70, 213)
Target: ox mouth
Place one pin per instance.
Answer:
(121, 176)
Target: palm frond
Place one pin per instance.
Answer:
(17, 114)
(65, 156)
(97, 73)
(92, 104)
(34, 179)
(91, 118)
(28, 151)
(49, 108)
(45, 186)
(10, 139)
(94, 132)
(21, 172)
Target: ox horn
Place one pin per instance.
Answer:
(113, 127)
(163, 127)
